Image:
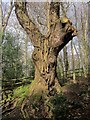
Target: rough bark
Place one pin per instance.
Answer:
(46, 48)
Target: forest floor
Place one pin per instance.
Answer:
(78, 96)
(75, 106)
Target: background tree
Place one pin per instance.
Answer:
(4, 16)
(82, 38)
(11, 66)
(3, 23)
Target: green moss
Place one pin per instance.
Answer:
(22, 90)
(21, 93)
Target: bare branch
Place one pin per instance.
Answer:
(8, 15)
(63, 9)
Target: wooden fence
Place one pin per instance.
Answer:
(78, 72)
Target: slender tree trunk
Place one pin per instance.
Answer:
(60, 67)
(78, 58)
(26, 66)
(66, 64)
(73, 62)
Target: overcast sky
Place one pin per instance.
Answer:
(53, 0)
(5, 0)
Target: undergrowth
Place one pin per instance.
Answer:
(60, 106)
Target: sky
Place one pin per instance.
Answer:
(5, 0)
(50, 0)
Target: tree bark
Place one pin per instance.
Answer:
(46, 47)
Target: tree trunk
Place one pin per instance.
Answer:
(66, 64)
(46, 47)
(45, 60)
(26, 68)
(73, 63)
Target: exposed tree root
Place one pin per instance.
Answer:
(23, 110)
(14, 103)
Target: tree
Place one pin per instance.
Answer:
(4, 18)
(12, 67)
(82, 36)
(46, 46)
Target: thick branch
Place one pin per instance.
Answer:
(54, 12)
(55, 8)
(26, 23)
(63, 33)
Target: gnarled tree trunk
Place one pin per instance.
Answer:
(46, 47)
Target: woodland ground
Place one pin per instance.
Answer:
(72, 104)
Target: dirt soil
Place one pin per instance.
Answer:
(78, 97)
